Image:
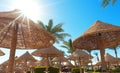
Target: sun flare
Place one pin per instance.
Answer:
(29, 8)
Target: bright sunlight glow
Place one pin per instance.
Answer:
(29, 8)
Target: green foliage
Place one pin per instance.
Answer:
(106, 2)
(53, 70)
(68, 46)
(75, 70)
(28, 72)
(56, 30)
(115, 70)
(41, 69)
(97, 70)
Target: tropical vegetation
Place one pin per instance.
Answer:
(57, 30)
(106, 2)
(68, 45)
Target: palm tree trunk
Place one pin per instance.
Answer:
(91, 60)
(97, 58)
(116, 56)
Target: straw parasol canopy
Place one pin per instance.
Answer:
(109, 58)
(1, 53)
(99, 36)
(59, 59)
(26, 57)
(69, 64)
(18, 31)
(81, 54)
(29, 34)
(42, 62)
(47, 52)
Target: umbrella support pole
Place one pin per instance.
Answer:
(80, 65)
(47, 66)
(13, 49)
(102, 52)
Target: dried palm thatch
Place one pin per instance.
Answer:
(99, 31)
(1, 53)
(69, 64)
(26, 57)
(99, 36)
(29, 35)
(59, 59)
(47, 52)
(85, 62)
(109, 58)
(18, 31)
(81, 54)
(42, 62)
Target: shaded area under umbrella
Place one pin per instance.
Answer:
(99, 36)
(18, 31)
(60, 60)
(47, 52)
(80, 55)
(25, 58)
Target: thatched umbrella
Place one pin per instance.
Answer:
(1, 53)
(99, 36)
(25, 58)
(18, 31)
(109, 58)
(60, 60)
(47, 52)
(42, 62)
(80, 55)
(69, 64)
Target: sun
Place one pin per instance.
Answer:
(29, 8)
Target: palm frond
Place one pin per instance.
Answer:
(106, 2)
(50, 25)
(41, 25)
(65, 43)
(114, 1)
(57, 28)
(70, 43)
(64, 34)
(63, 46)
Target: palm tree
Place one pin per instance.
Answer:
(96, 54)
(115, 49)
(56, 31)
(89, 51)
(68, 45)
(106, 2)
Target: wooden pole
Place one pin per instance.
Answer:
(47, 65)
(13, 49)
(102, 51)
(79, 60)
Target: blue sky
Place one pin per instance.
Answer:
(77, 16)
